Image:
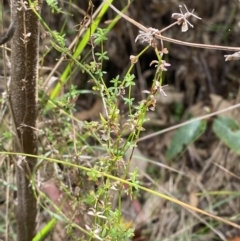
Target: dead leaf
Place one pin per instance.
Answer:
(218, 103)
(193, 199)
(237, 238)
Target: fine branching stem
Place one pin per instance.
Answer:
(171, 40)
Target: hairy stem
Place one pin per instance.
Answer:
(23, 102)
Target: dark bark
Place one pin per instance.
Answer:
(23, 101)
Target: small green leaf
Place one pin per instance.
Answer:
(228, 131)
(185, 136)
(103, 119)
(54, 5)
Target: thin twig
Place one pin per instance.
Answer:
(190, 121)
(171, 40)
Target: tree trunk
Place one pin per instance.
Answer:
(23, 101)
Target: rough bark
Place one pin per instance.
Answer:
(23, 101)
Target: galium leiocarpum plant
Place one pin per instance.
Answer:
(107, 223)
(115, 148)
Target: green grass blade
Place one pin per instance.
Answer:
(79, 50)
(45, 231)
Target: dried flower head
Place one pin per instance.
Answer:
(133, 59)
(182, 18)
(148, 36)
(158, 88)
(160, 66)
(235, 56)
